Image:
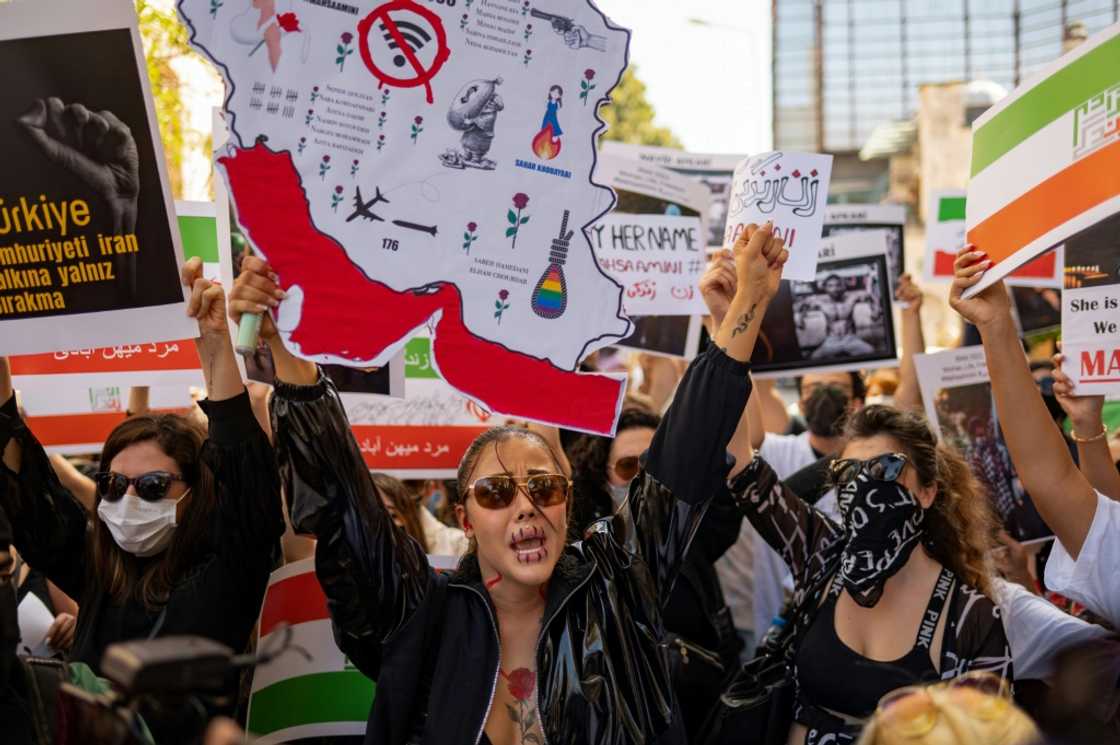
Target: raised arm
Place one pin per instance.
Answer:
(48, 523)
(373, 574)
(908, 397)
(1063, 496)
(1093, 455)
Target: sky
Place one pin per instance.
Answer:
(709, 83)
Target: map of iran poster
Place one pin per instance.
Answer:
(410, 164)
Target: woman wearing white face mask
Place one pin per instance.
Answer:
(186, 527)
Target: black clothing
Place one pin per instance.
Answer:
(218, 597)
(834, 676)
(431, 640)
(811, 544)
(812, 482)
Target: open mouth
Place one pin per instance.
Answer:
(528, 544)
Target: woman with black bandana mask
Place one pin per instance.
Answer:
(900, 589)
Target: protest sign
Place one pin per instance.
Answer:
(841, 320)
(658, 259)
(1038, 310)
(294, 698)
(424, 434)
(70, 420)
(713, 171)
(644, 189)
(957, 393)
(1091, 310)
(854, 218)
(1046, 159)
(427, 163)
(88, 247)
(945, 236)
(156, 363)
(790, 189)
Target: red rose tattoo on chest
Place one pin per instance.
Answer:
(521, 684)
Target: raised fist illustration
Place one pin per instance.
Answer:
(95, 146)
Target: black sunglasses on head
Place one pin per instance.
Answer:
(151, 487)
(886, 467)
(497, 492)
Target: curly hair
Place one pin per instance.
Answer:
(590, 455)
(960, 524)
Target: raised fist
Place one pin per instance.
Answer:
(95, 146)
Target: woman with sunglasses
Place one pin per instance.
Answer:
(703, 644)
(532, 640)
(899, 592)
(186, 527)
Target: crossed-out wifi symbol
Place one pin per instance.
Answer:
(414, 37)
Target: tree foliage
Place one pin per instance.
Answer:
(630, 115)
(165, 40)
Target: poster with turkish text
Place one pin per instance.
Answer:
(1091, 310)
(407, 163)
(790, 190)
(153, 363)
(840, 320)
(1046, 159)
(958, 400)
(88, 244)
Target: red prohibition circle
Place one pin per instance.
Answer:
(423, 77)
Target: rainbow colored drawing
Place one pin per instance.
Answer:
(550, 296)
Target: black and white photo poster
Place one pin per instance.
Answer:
(840, 219)
(88, 242)
(839, 321)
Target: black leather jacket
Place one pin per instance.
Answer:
(431, 640)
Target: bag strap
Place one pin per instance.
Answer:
(934, 609)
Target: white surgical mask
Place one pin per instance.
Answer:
(140, 528)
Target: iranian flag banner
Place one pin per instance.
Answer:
(296, 697)
(945, 235)
(1046, 160)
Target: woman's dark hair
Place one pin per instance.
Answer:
(495, 436)
(590, 455)
(123, 575)
(404, 502)
(559, 90)
(960, 524)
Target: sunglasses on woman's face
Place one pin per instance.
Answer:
(912, 711)
(151, 487)
(498, 492)
(627, 468)
(886, 467)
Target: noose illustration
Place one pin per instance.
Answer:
(550, 296)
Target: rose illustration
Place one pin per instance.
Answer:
(585, 85)
(302, 144)
(381, 120)
(385, 97)
(343, 49)
(528, 56)
(314, 94)
(521, 683)
(469, 237)
(416, 128)
(520, 201)
(310, 117)
(324, 166)
(214, 6)
(336, 198)
(464, 21)
(528, 31)
(380, 142)
(354, 167)
(525, 8)
(288, 22)
(501, 307)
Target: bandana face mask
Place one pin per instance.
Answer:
(883, 521)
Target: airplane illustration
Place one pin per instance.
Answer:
(364, 209)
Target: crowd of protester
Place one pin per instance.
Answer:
(717, 572)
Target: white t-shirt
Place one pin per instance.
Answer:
(753, 575)
(1094, 579)
(443, 540)
(1037, 630)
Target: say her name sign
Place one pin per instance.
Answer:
(406, 163)
(658, 259)
(789, 189)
